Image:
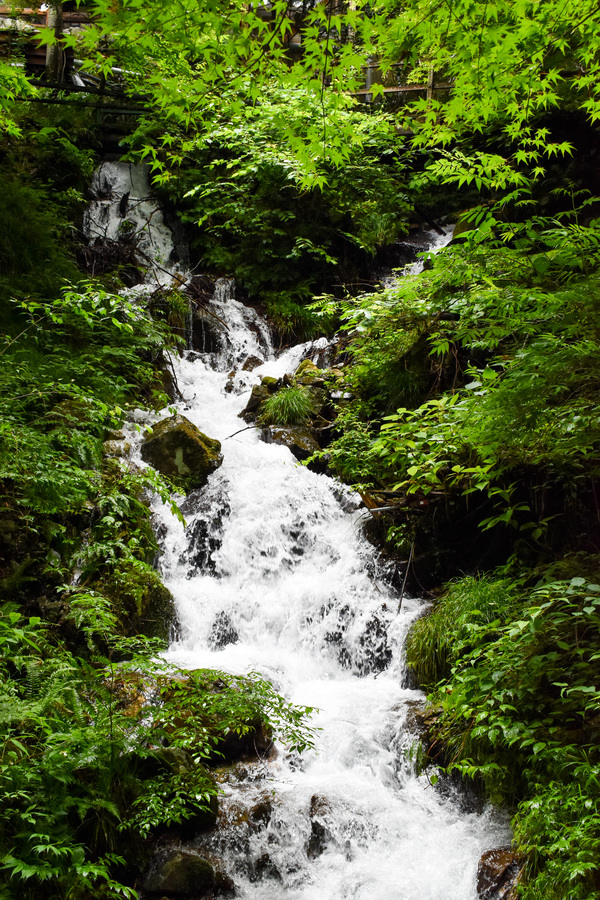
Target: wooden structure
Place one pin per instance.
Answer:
(18, 37)
(54, 67)
(404, 91)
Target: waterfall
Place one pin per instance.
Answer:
(272, 574)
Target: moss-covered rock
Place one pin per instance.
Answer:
(182, 873)
(308, 373)
(260, 393)
(182, 452)
(141, 602)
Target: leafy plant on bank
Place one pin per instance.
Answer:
(508, 394)
(515, 672)
(79, 739)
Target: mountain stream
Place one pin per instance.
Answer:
(272, 574)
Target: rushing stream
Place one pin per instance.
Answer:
(272, 574)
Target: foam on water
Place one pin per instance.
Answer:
(272, 574)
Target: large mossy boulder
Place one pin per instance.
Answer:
(182, 874)
(179, 450)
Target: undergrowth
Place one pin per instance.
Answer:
(292, 405)
(514, 671)
(475, 424)
(102, 746)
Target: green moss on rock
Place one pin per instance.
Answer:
(141, 602)
(179, 450)
(182, 873)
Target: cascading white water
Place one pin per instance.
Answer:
(272, 574)
(124, 209)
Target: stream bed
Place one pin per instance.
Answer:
(272, 574)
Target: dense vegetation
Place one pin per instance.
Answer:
(474, 420)
(103, 746)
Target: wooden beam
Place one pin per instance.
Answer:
(406, 88)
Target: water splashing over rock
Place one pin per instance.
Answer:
(272, 575)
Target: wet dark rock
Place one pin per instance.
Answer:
(498, 874)
(141, 602)
(376, 652)
(183, 874)
(319, 832)
(260, 814)
(224, 885)
(179, 450)
(222, 632)
(207, 332)
(423, 722)
(264, 867)
(298, 438)
(251, 363)
(260, 392)
(257, 742)
(205, 512)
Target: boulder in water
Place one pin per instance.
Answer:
(308, 373)
(299, 438)
(182, 874)
(182, 452)
(498, 874)
(260, 392)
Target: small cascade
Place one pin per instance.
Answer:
(272, 574)
(434, 241)
(124, 211)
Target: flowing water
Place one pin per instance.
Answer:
(272, 574)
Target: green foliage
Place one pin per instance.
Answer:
(257, 215)
(67, 376)
(13, 84)
(292, 405)
(69, 777)
(519, 713)
(349, 454)
(437, 639)
(32, 259)
(96, 753)
(512, 368)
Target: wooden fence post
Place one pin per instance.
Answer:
(55, 57)
(430, 82)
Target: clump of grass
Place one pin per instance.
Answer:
(433, 640)
(290, 406)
